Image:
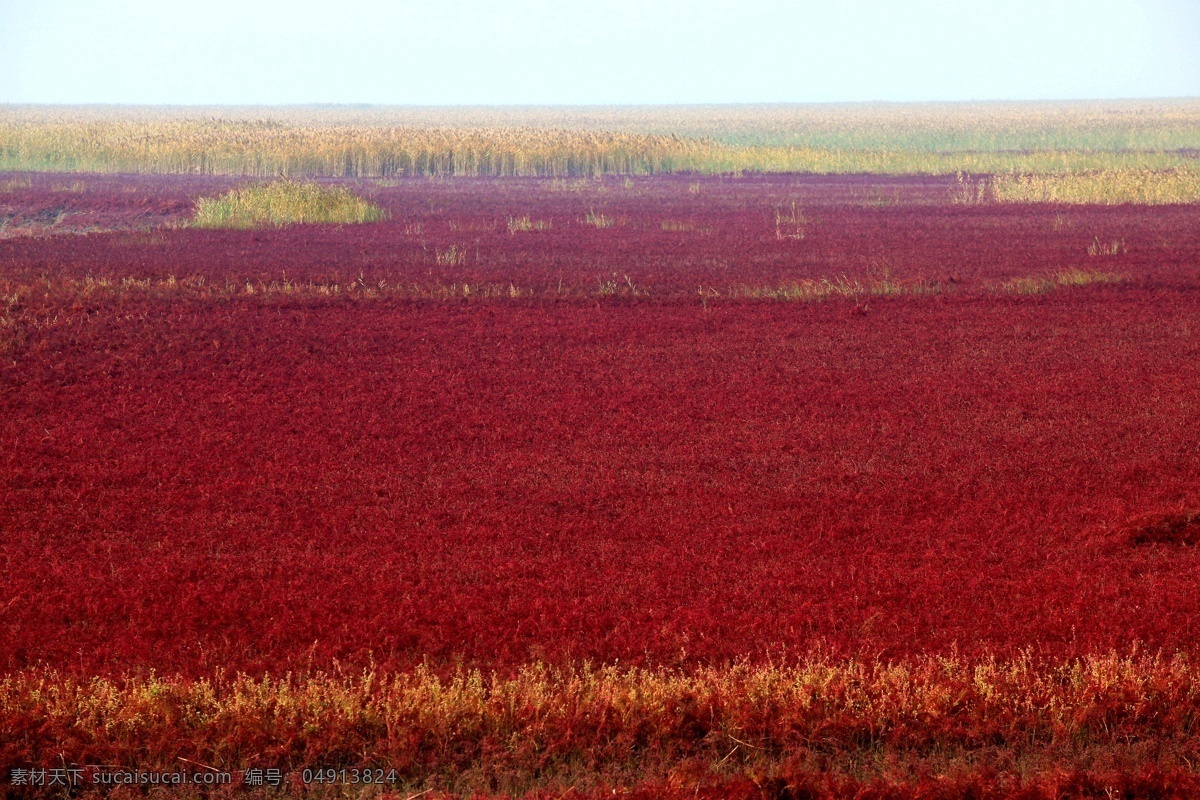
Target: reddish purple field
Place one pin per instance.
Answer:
(628, 459)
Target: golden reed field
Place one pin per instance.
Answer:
(1131, 151)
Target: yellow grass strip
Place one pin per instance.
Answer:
(818, 289)
(545, 726)
(1059, 280)
(1104, 187)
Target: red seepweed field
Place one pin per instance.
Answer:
(689, 431)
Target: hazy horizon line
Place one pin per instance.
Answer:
(713, 104)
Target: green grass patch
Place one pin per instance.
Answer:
(285, 203)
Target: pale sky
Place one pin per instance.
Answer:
(596, 52)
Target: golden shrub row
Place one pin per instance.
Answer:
(539, 721)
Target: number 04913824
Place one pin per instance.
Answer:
(329, 775)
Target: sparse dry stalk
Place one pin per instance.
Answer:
(599, 220)
(790, 223)
(523, 224)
